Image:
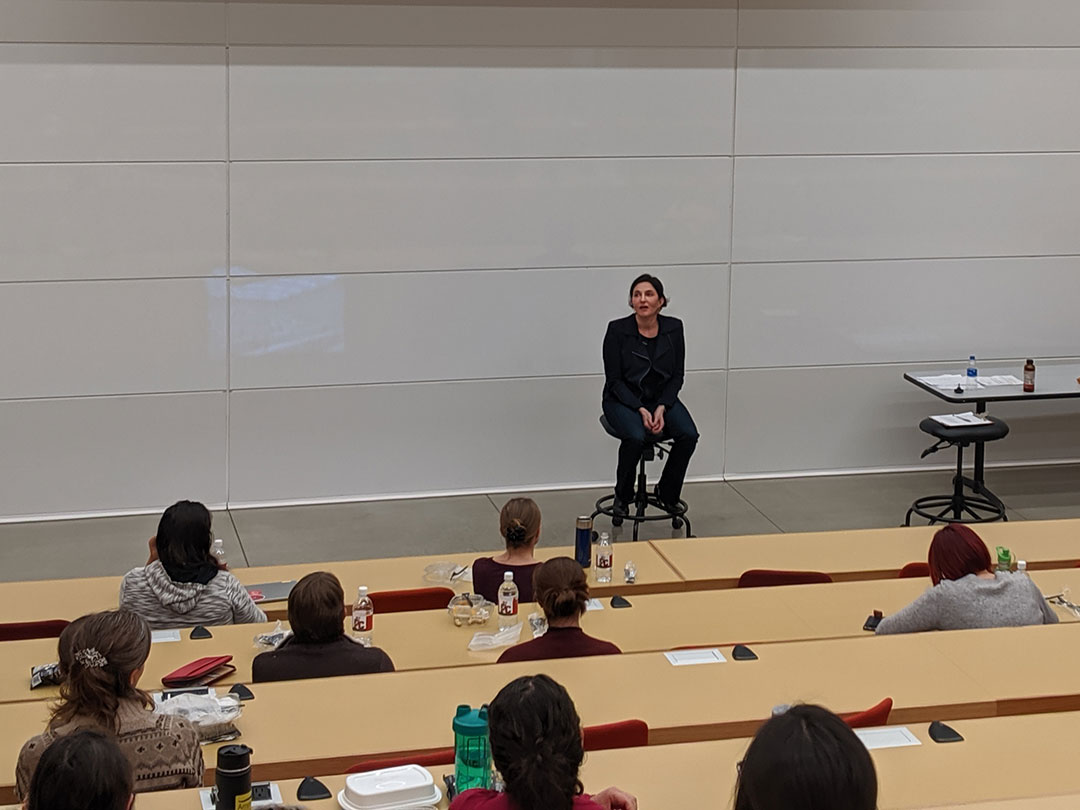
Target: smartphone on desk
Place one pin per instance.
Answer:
(873, 620)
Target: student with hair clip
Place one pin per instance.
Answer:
(182, 584)
(806, 759)
(966, 593)
(536, 744)
(102, 657)
(85, 770)
(562, 592)
(519, 524)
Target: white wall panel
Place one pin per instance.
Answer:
(896, 100)
(372, 440)
(111, 221)
(817, 208)
(332, 217)
(912, 23)
(151, 21)
(162, 103)
(318, 103)
(850, 417)
(109, 453)
(112, 337)
(903, 311)
(397, 327)
(481, 23)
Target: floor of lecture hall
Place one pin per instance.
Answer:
(104, 546)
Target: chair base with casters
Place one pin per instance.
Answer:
(970, 501)
(637, 512)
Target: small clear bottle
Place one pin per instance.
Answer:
(1021, 567)
(605, 558)
(508, 601)
(217, 551)
(363, 616)
(972, 373)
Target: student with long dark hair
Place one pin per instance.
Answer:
(536, 744)
(967, 593)
(102, 657)
(181, 584)
(562, 592)
(806, 759)
(519, 525)
(84, 770)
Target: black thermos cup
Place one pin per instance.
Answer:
(233, 777)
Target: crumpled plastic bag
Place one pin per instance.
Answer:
(538, 623)
(445, 572)
(273, 639)
(505, 637)
(45, 675)
(212, 716)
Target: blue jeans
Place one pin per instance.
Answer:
(678, 426)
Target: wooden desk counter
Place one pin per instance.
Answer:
(858, 554)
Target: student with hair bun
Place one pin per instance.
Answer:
(967, 593)
(536, 744)
(562, 591)
(85, 770)
(102, 657)
(519, 524)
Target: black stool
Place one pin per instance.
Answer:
(982, 505)
(655, 447)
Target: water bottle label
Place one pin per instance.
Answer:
(603, 560)
(508, 605)
(362, 621)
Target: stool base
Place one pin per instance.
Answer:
(637, 513)
(980, 506)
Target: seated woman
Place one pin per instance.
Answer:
(102, 657)
(519, 524)
(85, 770)
(562, 592)
(318, 647)
(966, 593)
(535, 739)
(806, 759)
(181, 584)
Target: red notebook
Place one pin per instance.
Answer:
(200, 672)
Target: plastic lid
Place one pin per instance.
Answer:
(235, 757)
(508, 576)
(1003, 554)
(470, 721)
(1030, 362)
(1021, 565)
(362, 590)
(218, 541)
(604, 536)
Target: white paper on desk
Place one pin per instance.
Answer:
(164, 635)
(961, 419)
(949, 381)
(686, 658)
(999, 379)
(887, 737)
(594, 604)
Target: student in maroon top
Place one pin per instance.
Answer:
(536, 743)
(519, 524)
(562, 591)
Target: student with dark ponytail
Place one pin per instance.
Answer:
(536, 744)
(519, 524)
(102, 657)
(562, 592)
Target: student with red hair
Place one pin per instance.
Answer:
(967, 593)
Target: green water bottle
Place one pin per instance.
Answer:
(472, 752)
(1004, 559)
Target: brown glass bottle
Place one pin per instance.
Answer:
(1029, 376)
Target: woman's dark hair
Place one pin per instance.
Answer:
(317, 608)
(535, 737)
(519, 522)
(97, 654)
(560, 588)
(84, 770)
(806, 759)
(184, 538)
(955, 552)
(656, 283)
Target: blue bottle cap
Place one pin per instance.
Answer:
(471, 722)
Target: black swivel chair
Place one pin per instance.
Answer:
(655, 447)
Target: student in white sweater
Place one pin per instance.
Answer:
(967, 593)
(181, 584)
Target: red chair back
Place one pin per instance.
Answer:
(874, 716)
(915, 569)
(411, 599)
(20, 631)
(443, 756)
(624, 734)
(764, 578)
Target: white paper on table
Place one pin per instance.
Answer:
(164, 635)
(947, 381)
(685, 658)
(594, 604)
(961, 419)
(999, 379)
(887, 737)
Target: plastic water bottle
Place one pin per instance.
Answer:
(363, 617)
(1021, 567)
(1004, 560)
(604, 558)
(972, 372)
(508, 601)
(217, 550)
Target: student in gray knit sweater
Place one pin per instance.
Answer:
(966, 593)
